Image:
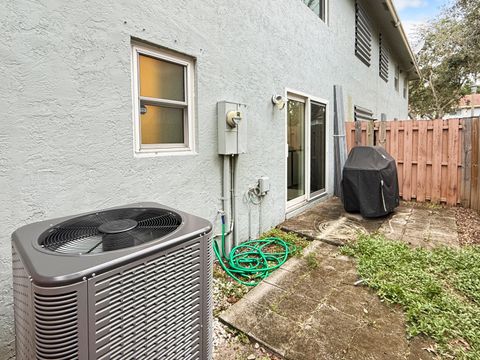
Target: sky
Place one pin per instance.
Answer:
(415, 12)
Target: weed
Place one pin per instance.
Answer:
(219, 273)
(439, 289)
(299, 242)
(312, 261)
(274, 307)
(243, 338)
(229, 289)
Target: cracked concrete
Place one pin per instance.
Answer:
(305, 312)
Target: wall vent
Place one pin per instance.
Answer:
(383, 59)
(361, 113)
(363, 35)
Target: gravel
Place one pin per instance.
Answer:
(468, 225)
(228, 344)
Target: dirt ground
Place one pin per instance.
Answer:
(468, 224)
(228, 343)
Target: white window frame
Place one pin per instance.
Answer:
(325, 10)
(188, 146)
(396, 79)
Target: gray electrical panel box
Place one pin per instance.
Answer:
(232, 128)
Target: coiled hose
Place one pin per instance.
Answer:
(251, 262)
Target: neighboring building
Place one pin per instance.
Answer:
(107, 103)
(465, 107)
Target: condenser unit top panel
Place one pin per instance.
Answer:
(110, 230)
(65, 250)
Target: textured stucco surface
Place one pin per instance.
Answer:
(66, 107)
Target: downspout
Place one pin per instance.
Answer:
(398, 24)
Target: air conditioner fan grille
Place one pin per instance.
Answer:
(110, 230)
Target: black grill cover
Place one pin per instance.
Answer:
(370, 183)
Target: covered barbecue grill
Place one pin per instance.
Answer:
(370, 183)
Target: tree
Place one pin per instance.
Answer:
(449, 59)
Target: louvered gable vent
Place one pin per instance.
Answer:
(363, 35)
(383, 61)
(361, 113)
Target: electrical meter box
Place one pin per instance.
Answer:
(232, 128)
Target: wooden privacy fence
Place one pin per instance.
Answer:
(437, 160)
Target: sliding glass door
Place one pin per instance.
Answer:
(306, 142)
(296, 150)
(317, 148)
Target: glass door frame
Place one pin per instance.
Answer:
(308, 196)
(302, 198)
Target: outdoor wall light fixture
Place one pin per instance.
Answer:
(278, 101)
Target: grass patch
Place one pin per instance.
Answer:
(299, 242)
(312, 262)
(438, 289)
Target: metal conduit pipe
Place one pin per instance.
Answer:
(233, 170)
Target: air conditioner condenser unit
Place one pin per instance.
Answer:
(132, 282)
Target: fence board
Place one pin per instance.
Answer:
(422, 161)
(452, 161)
(407, 160)
(475, 175)
(459, 162)
(437, 161)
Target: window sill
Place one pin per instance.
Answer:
(164, 152)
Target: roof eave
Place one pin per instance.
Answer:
(414, 72)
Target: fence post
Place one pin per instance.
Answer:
(437, 144)
(452, 162)
(370, 133)
(475, 170)
(382, 141)
(358, 133)
(421, 145)
(466, 161)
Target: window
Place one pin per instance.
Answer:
(361, 113)
(383, 61)
(405, 87)
(397, 78)
(363, 35)
(318, 7)
(163, 101)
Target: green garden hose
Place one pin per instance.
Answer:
(251, 262)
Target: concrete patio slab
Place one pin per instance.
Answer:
(411, 223)
(313, 309)
(422, 227)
